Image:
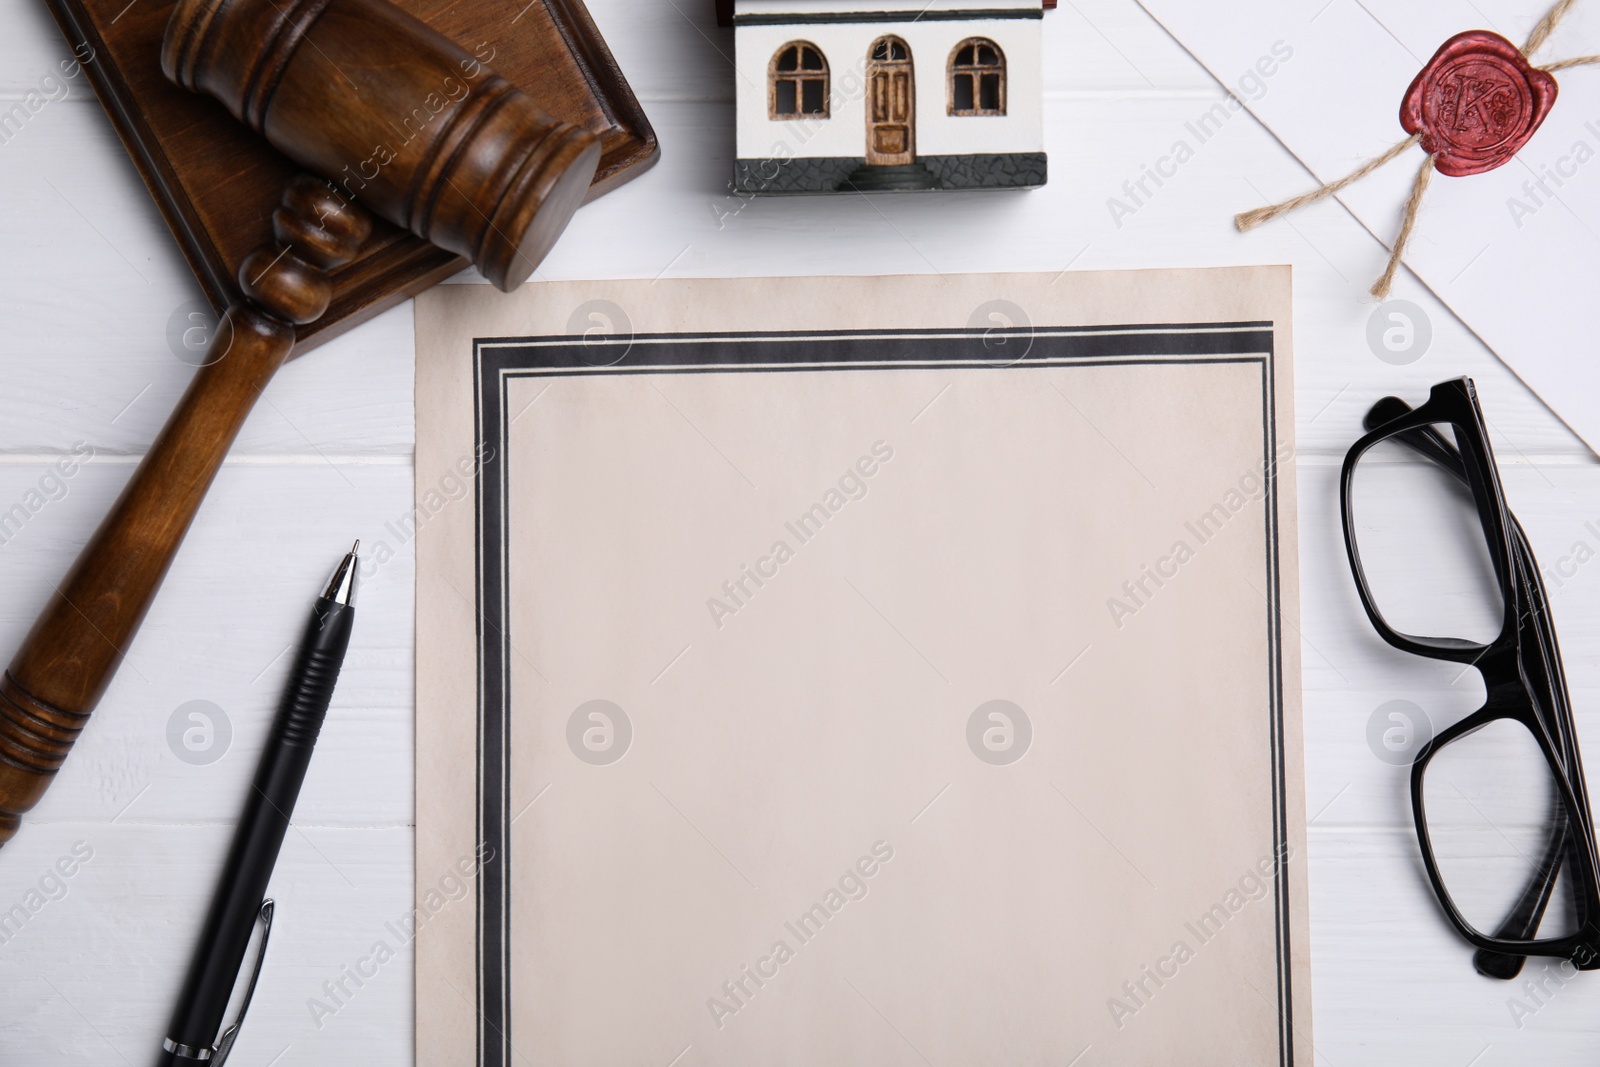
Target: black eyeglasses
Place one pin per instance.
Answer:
(1445, 571)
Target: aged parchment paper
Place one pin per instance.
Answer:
(860, 671)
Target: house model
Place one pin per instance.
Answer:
(871, 95)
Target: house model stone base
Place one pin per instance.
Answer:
(880, 95)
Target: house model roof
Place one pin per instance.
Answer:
(725, 8)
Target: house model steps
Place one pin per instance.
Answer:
(878, 95)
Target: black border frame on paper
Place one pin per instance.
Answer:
(497, 360)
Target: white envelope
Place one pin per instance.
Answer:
(1514, 252)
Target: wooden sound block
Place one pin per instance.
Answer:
(217, 182)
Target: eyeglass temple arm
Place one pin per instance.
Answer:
(1523, 922)
(1427, 441)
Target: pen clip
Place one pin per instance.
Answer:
(225, 1042)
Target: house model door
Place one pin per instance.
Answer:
(891, 104)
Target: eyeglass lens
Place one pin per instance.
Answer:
(1497, 825)
(1423, 546)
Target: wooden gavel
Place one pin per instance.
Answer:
(394, 117)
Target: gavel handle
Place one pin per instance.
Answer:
(68, 659)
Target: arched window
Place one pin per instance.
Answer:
(977, 78)
(890, 50)
(799, 82)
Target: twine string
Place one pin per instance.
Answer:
(1248, 220)
(1575, 61)
(1546, 26)
(1381, 287)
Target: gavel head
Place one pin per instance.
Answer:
(396, 117)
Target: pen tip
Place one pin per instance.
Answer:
(355, 547)
(341, 588)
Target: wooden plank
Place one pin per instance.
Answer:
(236, 598)
(1392, 984)
(91, 975)
(104, 352)
(677, 52)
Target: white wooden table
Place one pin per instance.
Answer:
(90, 277)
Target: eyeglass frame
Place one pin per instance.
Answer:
(1502, 662)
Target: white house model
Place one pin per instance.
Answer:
(888, 94)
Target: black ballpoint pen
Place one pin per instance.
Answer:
(196, 1034)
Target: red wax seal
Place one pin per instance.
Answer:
(1476, 103)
